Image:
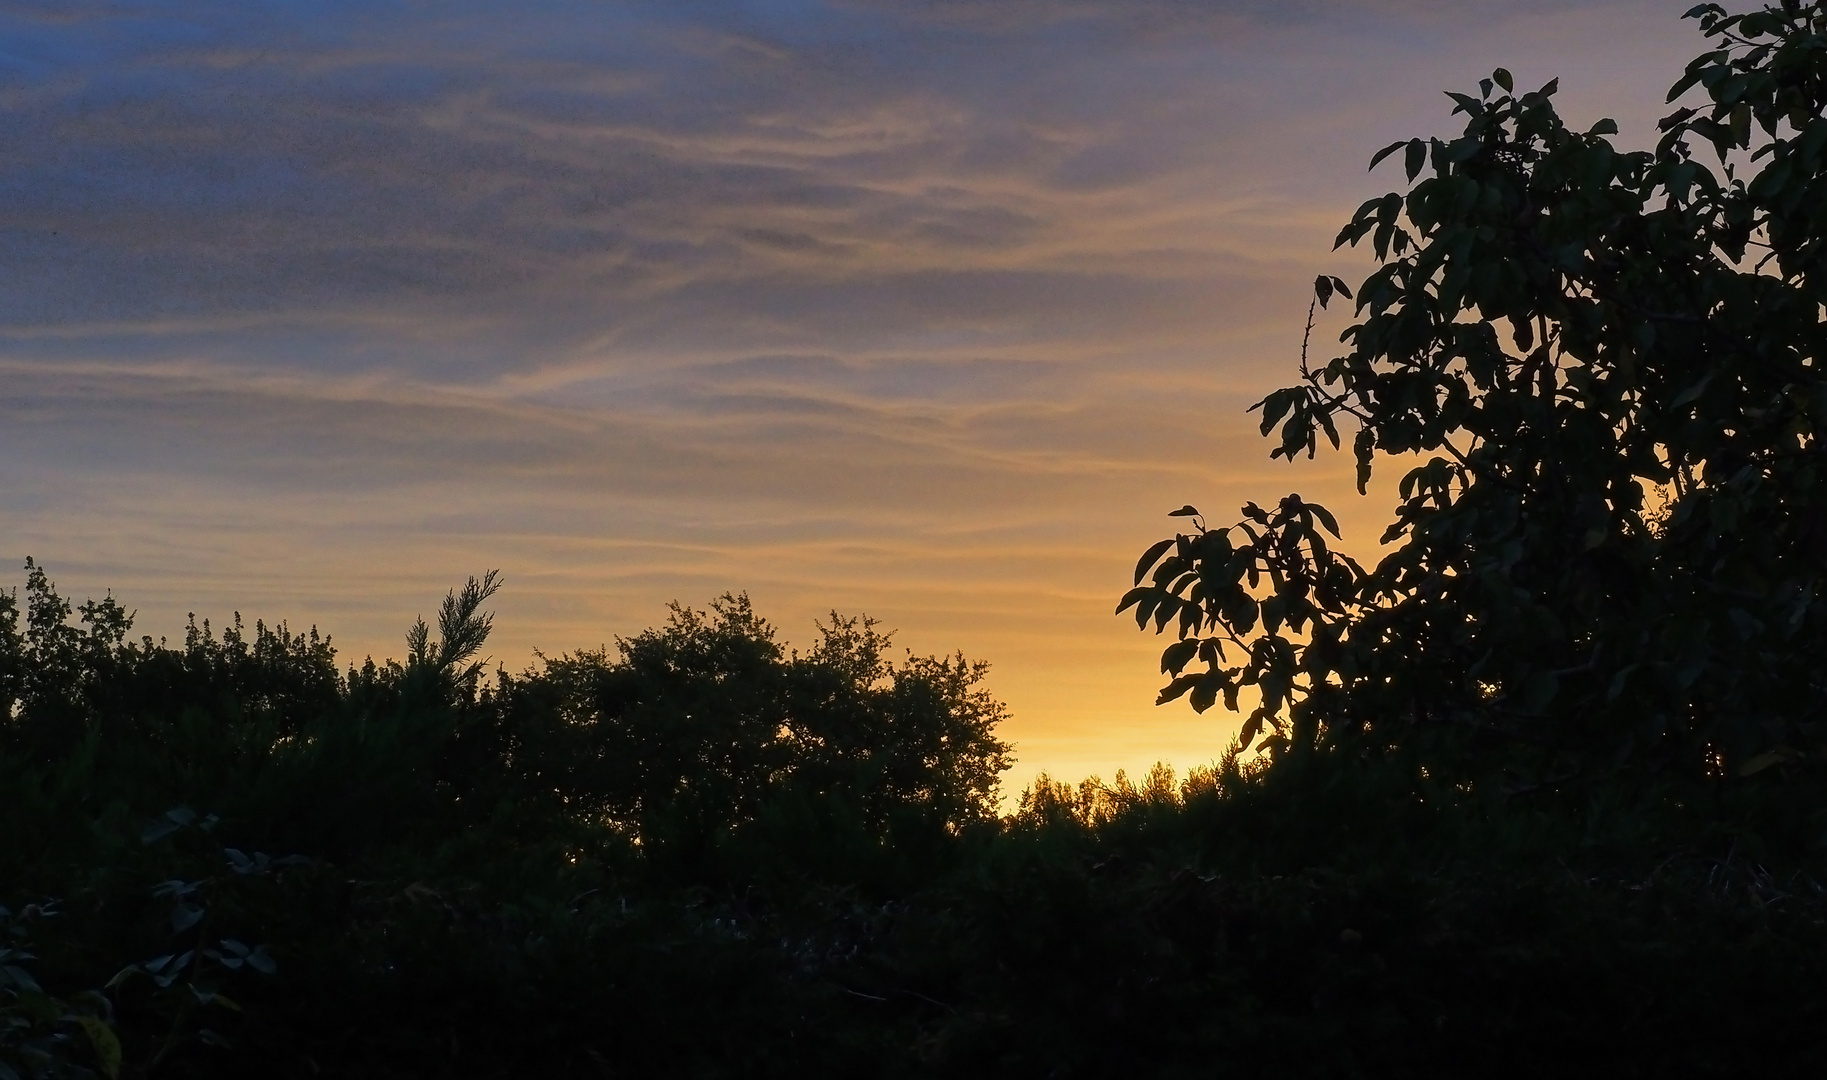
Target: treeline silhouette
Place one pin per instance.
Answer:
(702, 853)
(1539, 793)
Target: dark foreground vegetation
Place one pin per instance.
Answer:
(1539, 793)
(705, 856)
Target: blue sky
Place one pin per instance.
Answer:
(923, 309)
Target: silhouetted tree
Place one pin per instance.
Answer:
(1610, 364)
(691, 729)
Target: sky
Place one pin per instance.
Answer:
(925, 309)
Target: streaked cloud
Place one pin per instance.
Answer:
(926, 309)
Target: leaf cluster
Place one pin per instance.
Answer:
(1604, 370)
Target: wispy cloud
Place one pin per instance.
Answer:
(922, 308)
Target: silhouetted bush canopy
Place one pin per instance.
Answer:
(703, 723)
(1541, 791)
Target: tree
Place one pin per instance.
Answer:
(693, 729)
(1610, 364)
(61, 684)
(463, 628)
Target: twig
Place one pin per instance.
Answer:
(1312, 306)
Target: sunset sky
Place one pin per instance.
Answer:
(928, 309)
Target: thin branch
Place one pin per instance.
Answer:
(1312, 306)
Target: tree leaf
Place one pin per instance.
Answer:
(1147, 561)
(1176, 656)
(1251, 728)
(20, 977)
(184, 916)
(105, 1044)
(1539, 691)
(1377, 158)
(1760, 762)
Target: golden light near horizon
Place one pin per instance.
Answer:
(925, 310)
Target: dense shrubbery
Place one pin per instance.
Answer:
(151, 787)
(1542, 791)
(705, 854)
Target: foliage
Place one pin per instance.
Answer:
(186, 981)
(463, 627)
(706, 854)
(44, 1037)
(1608, 365)
(699, 726)
(703, 853)
(697, 754)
